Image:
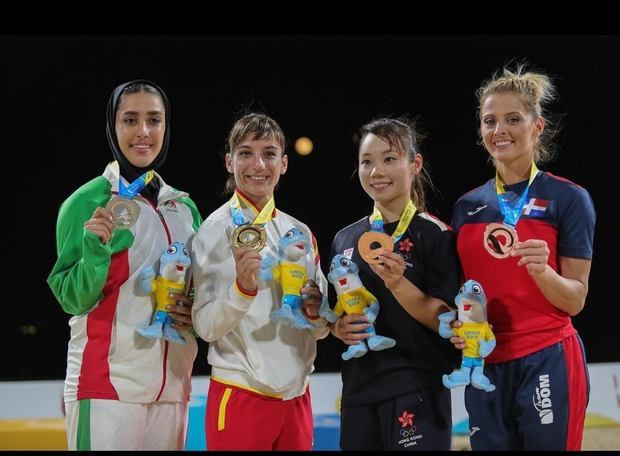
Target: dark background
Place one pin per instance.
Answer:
(323, 87)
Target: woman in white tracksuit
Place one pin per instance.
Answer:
(259, 397)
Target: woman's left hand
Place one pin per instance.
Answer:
(392, 269)
(181, 313)
(534, 255)
(311, 298)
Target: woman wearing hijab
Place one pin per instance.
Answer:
(123, 390)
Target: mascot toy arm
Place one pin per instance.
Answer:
(487, 345)
(445, 330)
(269, 268)
(354, 298)
(479, 339)
(173, 265)
(147, 280)
(372, 310)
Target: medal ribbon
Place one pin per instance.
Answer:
(376, 220)
(134, 188)
(237, 214)
(512, 211)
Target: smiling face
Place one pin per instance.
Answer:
(385, 173)
(140, 127)
(257, 165)
(509, 131)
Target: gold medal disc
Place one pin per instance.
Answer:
(499, 240)
(253, 236)
(124, 211)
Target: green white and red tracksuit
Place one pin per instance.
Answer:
(99, 285)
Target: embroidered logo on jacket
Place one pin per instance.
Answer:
(535, 207)
(404, 250)
(170, 206)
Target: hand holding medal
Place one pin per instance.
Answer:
(534, 255)
(101, 224)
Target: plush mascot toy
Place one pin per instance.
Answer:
(173, 264)
(353, 297)
(290, 270)
(480, 341)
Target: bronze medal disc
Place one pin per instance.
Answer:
(124, 211)
(253, 236)
(499, 240)
(369, 253)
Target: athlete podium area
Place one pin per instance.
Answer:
(31, 415)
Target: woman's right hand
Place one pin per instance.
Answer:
(101, 224)
(349, 328)
(247, 264)
(457, 341)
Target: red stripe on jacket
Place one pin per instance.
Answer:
(94, 382)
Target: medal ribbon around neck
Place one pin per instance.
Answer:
(248, 234)
(134, 188)
(512, 211)
(376, 220)
(237, 214)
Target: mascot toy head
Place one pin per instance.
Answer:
(174, 262)
(293, 245)
(472, 303)
(343, 274)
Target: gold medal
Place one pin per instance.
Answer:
(367, 246)
(253, 236)
(124, 212)
(499, 240)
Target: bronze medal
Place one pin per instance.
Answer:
(124, 212)
(253, 236)
(368, 251)
(499, 240)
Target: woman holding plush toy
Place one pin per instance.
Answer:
(262, 335)
(527, 236)
(124, 391)
(392, 395)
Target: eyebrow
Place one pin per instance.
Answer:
(135, 113)
(386, 151)
(507, 114)
(247, 146)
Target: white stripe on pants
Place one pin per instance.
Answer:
(116, 425)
